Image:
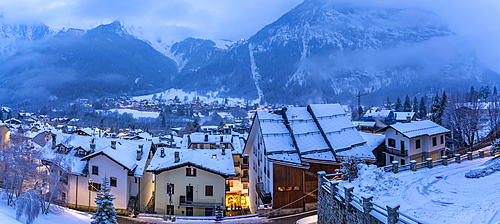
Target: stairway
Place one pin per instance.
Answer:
(131, 203)
(150, 207)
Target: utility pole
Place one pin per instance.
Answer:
(359, 102)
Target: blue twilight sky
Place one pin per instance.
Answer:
(477, 21)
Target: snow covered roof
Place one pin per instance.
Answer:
(369, 124)
(372, 140)
(236, 141)
(207, 159)
(376, 113)
(418, 128)
(125, 153)
(401, 116)
(316, 132)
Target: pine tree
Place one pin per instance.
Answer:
(407, 104)
(105, 211)
(442, 107)
(398, 106)
(415, 105)
(495, 146)
(495, 90)
(422, 109)
(435, 108)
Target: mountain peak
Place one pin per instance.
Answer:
(114, 27)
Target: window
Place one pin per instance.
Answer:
(402, 162)
(442, 139)
(434, 141)
(209, 211)
(402, 145)
(417, 144)
(170, 188)
(189, 211)
(281, 188)
(170, 210)
(391, 142)
(63, 196)
(94, 186)
(209, 190)
(245, 160)
(95, 170)
(245, 173)
(391, 158)
(231, 184)
(245, 185)
(296, 188)
(191, 172)
(112, 181)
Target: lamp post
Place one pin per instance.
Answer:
(90, 182)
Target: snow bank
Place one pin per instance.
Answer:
(439, 195)
(486, 169)
(8, 215)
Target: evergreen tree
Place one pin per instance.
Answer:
(495, 90)
(407, 104)
(422, 111)
(435, 109)
(105, 211)
(442, 107)
(472, 94)
(415, 105)
(398, 106)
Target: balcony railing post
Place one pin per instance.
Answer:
(367, 204)
(413, 165)
(335, 189)
(444, 160)
(321, 175)
(348, 196)
(395, 166)
(469, 155)
(392, 215)
(457, 158)
(429, 162)
(481, 153)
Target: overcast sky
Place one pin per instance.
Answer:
(475, 20)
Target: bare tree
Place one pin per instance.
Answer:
(463, 119)
(493, 116)
(53, 177)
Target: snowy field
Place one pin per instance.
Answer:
(439, 195)
(207, 98)
(137, 113)
(68, 216)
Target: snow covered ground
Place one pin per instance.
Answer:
(137, 113)
(207, 98)
(192, 221)
(439, 195)
(68, 216)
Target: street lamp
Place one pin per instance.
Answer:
(90, 182)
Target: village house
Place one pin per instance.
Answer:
(91, 159)
(190, 182)
(237, 193)
(416, 140)
(287, 147)
(384, 116)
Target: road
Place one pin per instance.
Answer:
(277, 220)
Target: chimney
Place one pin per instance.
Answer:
(54, 141)
(177, 159)
(162, 154)
(139, 154)
(408, 119)
(92, 147)
(113, 144)
(206, 137)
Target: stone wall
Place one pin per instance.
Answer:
(333, 208)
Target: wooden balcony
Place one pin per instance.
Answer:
(397, 152)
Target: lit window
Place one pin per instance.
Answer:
(281, 188)
(191, 172)
(214, 156)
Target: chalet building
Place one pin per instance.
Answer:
(365, 126)
(237, 186)
(4, 135)
(416, 140)
(124, 162)
(287, 147)
(190, 182)
(405, 117)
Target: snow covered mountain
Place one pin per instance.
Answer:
(328, 50)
